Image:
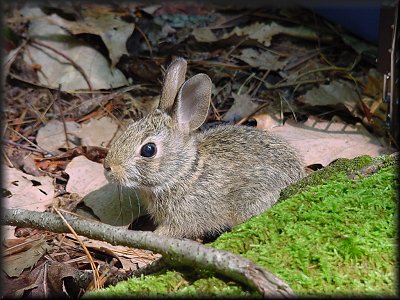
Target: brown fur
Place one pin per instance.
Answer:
(201, 182)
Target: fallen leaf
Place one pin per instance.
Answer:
(374, 84)
(360, 46)
(51, 136)
(242, 107)
(18, 262)
(25, 191)
(113, 30)
(321, 142)
(130, 258)
(336, 92)
(23, 159)
(114, 206)
(98, 132)
(85, 176)
(55, 69)
(264, 60)
(204, 35)
(48, 278)
(261, 32)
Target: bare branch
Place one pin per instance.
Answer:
(177, 252)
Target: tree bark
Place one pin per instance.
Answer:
(177, 252)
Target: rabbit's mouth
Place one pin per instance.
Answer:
(117, 175)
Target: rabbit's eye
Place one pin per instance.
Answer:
(148, 150)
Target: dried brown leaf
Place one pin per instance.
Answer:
(51, 136)
(85, 176)
(264, 60)
(242, 107)
(321, 142)
(15, 264)
(113, 30)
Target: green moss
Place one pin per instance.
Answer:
(335, 236)
(145, 286)
(341, 165)
(213, 287)
(171, 283)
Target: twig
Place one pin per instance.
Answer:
(216, 64)
(21, 118)
(373, 168)
(10, 59)
(19, 78)
(9, 162)
(216, 113)
(253, 94)
(244, 119)
(93, 266)
(78, 67)
(245, 82)
(281, 85)
(235, 47)
(177, 252)
(287, 102)
(33, 144)
(57, 101)
(23, 146)
(145, 39)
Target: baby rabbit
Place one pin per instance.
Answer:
(197, 183)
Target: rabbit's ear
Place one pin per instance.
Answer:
(173, 80)
(192, 102)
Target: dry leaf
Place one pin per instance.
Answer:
(204, 35)
(261, 32)
(336, 92)
(51, 136)
(113, 30)
(55, 69)
(263, 60)
(25, 191)
(85, 176)
(18, 262)
(374, 85)
(321, 142)
(130, 258)
(242, 107)
(113, 206)
(98, 132)
(48, 278)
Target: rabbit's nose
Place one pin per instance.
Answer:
(106, 166)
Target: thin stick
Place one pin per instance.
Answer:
(93, 266)
(33, 144)
(253, 94)
(290, 107)
(244, 119)
(57, 101)
(281, 85)
(177, 252)
(23, 146)
(146, 40)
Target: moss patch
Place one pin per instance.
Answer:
(341, 165)
(150, 286)
(335, 236)
(171, 283)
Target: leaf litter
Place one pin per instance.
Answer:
(76, 77)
